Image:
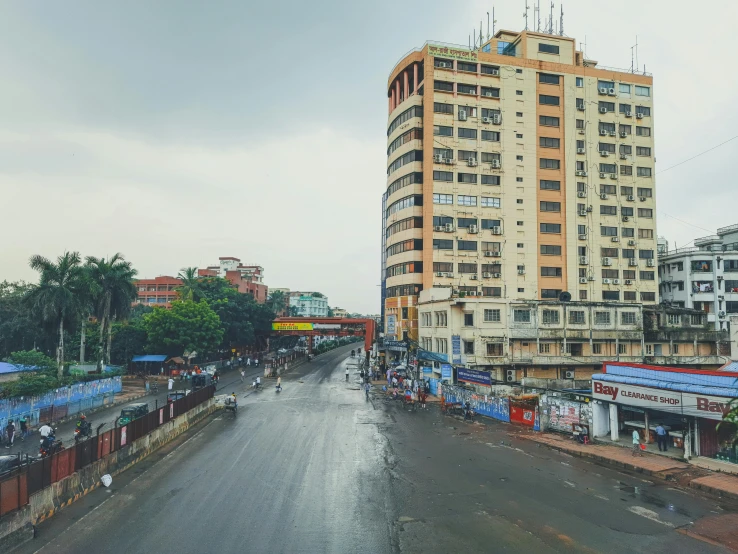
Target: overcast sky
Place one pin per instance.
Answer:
(176, 132)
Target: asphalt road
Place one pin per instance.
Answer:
(318, 468)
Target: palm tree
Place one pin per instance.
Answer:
(60, 296)
(114, 293)
(190, 281)
(277, 302)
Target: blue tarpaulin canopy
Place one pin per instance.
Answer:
(150, 358)
(9, 368)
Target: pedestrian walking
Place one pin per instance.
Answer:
(423, 398)
(10, 433)
(243, 375)
(23, 427)
(147, 386)
(170, 383)
(637, 443)
(248, 361)
(347, 374)
(394, 383)
(661, 437)
(389, 377)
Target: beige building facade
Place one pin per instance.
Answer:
(516, 173)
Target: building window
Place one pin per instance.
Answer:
(576, 317)
(549, 79)
(550, 185)
(548, 121)
(646, 275)
(447, 176)
(546, 163)
(466, 177)
(548, 100)
(550, 272)
(492, 316)
(550, 293)
(602, 318)
(621, 348)
(544, 348)
(610, 295)
(468, 320)
(648, 297)
(596, 348)
(550, 228)
(463, 200)
(642, 91)
(443, 244)
(467, 268)
(644, 172)
(488, 202)
(550, 317)
(643, 151)
(546, 142)
(580, 82)
(550, 250)
(467, 133)
(443, 131)
(466, 245)
(608, 210)
(443, 198)
(550, 206)
(608, 231)
(492, 136)
(521, 316)
(468, 347)
(439, 107)
(551, 49)
(643, 131)
(494, 349)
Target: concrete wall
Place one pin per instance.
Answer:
(43, 504)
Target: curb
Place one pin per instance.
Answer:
(720, 493)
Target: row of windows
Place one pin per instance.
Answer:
(465, 67)
(404, 181)
(439, 220)
(626, 232)
(464, 88)
(640, 111)
(405, 246)
(626, 149)
(624, 190)
(403, 225)
(609, 128)
(624, 211)
(466, 267)
(404, 268)
(627, 253)
(410, 157)
(412, 134)
(627, 274)
(403, 290)
(464, 200)
(402, 203)
(414, 111)
(471, 178)
(446, 131)
(465, 245)
(624, 88)
(466, 155)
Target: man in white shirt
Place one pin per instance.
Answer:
(45, 430)
(170, 383)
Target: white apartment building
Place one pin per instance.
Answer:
(309, 304)
(703, 277)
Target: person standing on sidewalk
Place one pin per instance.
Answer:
(10, 433)
(23, 427)
(243, 375)
(170, 384)
(661, 437)
(636, 443)
(347, 374)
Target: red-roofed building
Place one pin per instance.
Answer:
(248, 278)
(159, 291)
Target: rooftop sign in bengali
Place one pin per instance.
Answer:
(452, 52)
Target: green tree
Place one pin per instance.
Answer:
(113, 293)
(331, 313)
(59, 297)
(129, 340)
(187, 326)
(294, 311)
(190, 283)
(277, 302)
(19, 330)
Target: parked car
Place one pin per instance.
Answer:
(134, 411)
(201, 380)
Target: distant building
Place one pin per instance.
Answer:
(249, 279)
(309, 304)
(703, 277)
(340, 312)
(160, 291)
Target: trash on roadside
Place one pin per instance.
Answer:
(106, 480)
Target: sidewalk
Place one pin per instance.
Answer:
(719, 484)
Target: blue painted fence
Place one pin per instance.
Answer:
(61, 402)
(496, 407)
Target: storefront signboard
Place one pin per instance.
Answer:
(283, 326)
(456, 349)
(473, 376)
(446, 372)
(686, 403)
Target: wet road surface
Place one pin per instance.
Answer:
(318, 468)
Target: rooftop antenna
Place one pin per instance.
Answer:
(525, 15)
(470, 42)
(538, 29)
(481, 36)
(561, 25)
(634, 57)
(487, 25)
(493, 20)
(551, 20)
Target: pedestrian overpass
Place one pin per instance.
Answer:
(322, 326)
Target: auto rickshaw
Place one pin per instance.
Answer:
(134, 411)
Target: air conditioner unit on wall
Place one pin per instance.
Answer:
(510, 375)
(569, 374)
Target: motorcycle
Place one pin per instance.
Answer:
(82, 433)
(50, 446)
(468, 413)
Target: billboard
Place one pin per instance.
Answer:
(474, 376)
(283, 326)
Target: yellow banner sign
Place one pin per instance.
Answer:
(451, 52)
(278, 326)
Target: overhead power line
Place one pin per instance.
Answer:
(697, 155)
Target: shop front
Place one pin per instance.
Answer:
(687, 404)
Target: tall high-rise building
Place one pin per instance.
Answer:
(516, 172)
